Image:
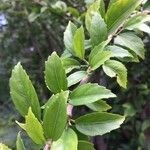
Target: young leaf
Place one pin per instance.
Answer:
(19, 143)
(67, 141)
(69, 64)
(98, 29)
(55, 116)
(33, 128)
(89, 93)
(83, 144)
(115, 68)
(131, 41)
(4, 147)
(78, 43)
(23, 93)
(118, 11)
(99, 106)
(98, 123)
(76, 77)
(68, 36)
(55, 76)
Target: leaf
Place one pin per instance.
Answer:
(119, 51)
(144, 27)
(89, 93)
(99, 106)
(4, 147)
(76, 77)
(83, 144)
(78, 43)
(55, 76)
(33, 128)
(19, 143)
(69, 64)
(23, 93)
(55, 116)
(118, 12)
(98, 29)
(115, 68)
(131, 41)
(68, 36)
(129, 110)
(98, 56)
(98, 123)
(68, 140)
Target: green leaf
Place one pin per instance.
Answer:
(55, 76)
(118, 12)
(68, 36)
(99, 106)
(144, 28)
(76, 77)
(19, 143)
(98, 123)
(23, 93)
(129, 110)
(78, 43)
(131, 41)
(115, 68)
(98, 56)
(89, 93)
(67, 141)
(118, 51)
(98, 29)
(55, 116)
(4, 147)
(69, 64)
(83, 144)
(33, 128)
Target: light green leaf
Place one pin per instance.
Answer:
(55, 116)
(19, 143)
(23, 93)
(89, 93)
(145, 125)
(78, 43)
(83, 144)
(76, 77)
(69, 64)
(98, 29)
(98, 123)
(55, 76)
(4, 147)
(129, 110)
(131, 41)
(68, 36)
(118, 12)
(67, 141)
(119, 51)
(99, 106)
(144, 27)
(33, 128)
(115, 68)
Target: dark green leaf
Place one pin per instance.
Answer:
(55, 76)
(83, 144)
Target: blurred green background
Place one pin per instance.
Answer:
(29, 31)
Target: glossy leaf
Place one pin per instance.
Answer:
(68, 36)
(83, 144)
(89, 93)
(99, 106)
(55, 116)
(98, 29)
(19, 143)
(33, 128)
(55, 76)
(23, 93)
(98, 123)
(118, 11)
(131, 41)
(78, 43)
(67, 141)
(4, 147)
(76, 77)
(115, 68)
